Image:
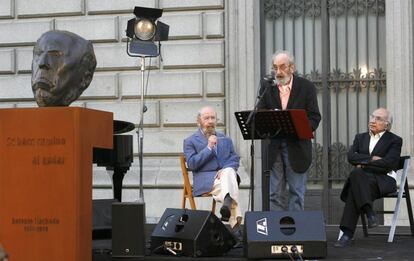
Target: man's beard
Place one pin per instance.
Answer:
(282, 81)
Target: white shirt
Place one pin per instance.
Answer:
(372, 143)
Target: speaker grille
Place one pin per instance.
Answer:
(191, 233)
(275, 234)
(128, 232)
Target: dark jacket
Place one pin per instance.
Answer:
(388, 148)
(302, 96)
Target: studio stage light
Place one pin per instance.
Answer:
(143, 30)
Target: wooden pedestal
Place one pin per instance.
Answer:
(46, 181)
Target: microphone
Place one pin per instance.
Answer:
(270, 78)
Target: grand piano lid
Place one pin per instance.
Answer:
(122, 126)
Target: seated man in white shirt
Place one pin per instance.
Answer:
(375, 154)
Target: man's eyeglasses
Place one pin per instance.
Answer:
(282, 67)
(376, 118)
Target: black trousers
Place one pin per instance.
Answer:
(362, 189)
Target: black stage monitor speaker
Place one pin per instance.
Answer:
(284, 234)
(102, 218)
(191, 233)
(128, 232)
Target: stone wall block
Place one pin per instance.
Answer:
(7, 9)
(191, 4)
(24, 57)
(184, 113)
(214, 25)
(112, 7)
(7, 64)
(130, 111)
(115, 57)
(187, 54)
(49, 8)
(15, 87)
(23, 32)
(96, 29)
(183, 25)
(103, 85)
(163, 84)
(214, 83)
(6, 105)
(164, 142)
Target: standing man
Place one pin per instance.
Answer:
(211, 157)
(375, 155)
(290, 158)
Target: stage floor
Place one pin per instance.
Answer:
(364, 248)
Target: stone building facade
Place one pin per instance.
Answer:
(212, 57)
(194, 70)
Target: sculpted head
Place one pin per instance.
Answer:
(62, 68)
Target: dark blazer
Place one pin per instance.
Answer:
(388, 148)
(302, 96)
(204, 163)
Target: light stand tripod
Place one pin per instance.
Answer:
(140, 129)
(140, 132)
(142, 31)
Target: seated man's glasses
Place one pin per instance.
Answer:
(376, 118)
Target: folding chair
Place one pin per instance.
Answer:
(188, 188)
(402, 192)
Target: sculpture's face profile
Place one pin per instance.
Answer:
(62, 68)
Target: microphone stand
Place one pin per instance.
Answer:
(251, 118)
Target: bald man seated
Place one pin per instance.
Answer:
(375, 155)
(211, 157)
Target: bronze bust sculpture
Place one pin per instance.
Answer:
(62, 68)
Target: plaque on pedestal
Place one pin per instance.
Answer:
(46, 180)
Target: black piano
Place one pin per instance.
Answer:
(119, 158)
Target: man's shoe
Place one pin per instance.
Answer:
(225, 213)
(225, 209)
(344, 241)
(372, 221)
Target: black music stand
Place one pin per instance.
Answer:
(272, 124)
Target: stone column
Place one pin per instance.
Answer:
(400, 70)
(400, 73)
(242, 55)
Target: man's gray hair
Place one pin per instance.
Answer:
(200, 112)
(291, 58)
(389, 120)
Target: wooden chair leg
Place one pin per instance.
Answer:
(192, 202)
(183, 200)
(213, 206)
